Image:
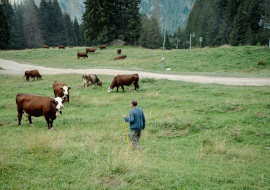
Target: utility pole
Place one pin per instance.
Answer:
(163, 60)
(191, 35)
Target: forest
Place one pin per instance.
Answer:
(241, 22)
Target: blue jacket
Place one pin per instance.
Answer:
(136, 120)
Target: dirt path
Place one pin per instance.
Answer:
(14, 68)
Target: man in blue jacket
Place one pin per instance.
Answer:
(137, 123)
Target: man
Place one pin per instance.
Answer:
(137, 123)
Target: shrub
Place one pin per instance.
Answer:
(261, 62)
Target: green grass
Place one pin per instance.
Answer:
(197, 136)
(223, 61)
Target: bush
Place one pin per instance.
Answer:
(261, 62)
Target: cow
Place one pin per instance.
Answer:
(90, 79)
(120, 57)
(79, 55)
(34, 105)
(53, 47)
(61, 47)
(119, 51)
(70, 46)
(26, 48)
(127, 80)
(102, 47)
(90, 50)
(61, 90)
(32, 74)
(45, 46)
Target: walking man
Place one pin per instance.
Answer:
(137, 123)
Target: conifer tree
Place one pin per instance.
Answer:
(17, 35)
(99, 18)
(31, 25)
(44, 11)
(70, 30)
(167, 42)
(5, 34)
(143, 39)
(77, 33)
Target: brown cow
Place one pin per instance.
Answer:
(90, 50)
(120, 57)
(26, 48)
(34, 105)
(119, 51)
(127, 80)
(61, 47)
(61, 89)
(53, 47)
(45, 46)
(70, 46)
(90, 79)
(32, 74)
(79, 54)
(102, 47)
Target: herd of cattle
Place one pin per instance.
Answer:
(35, 105)
(91, 50)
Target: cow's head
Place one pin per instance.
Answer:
(65, 90)
(40, 76)
(58, 105)
(99, 83)
(110, 89)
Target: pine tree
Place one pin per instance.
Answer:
(70, 30)
(143, 39)
(77, 34)
(98, 18)
(44, 11)
(31, 25)
(167, 42)
(17, 35)
(134, 21)
(60, 34)
(5, 34)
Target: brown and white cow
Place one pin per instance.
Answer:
(61, 90)
(32, 74)
(90, 50)
(45, 46)
(34, 105)
(127, 80)
(102, 47)
(120, 57)
(61, 47)
(119, 51)
(90, 79)
(80, 54)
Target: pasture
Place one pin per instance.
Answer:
(222, 61)
(197, 136)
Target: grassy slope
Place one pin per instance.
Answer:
(198, 136)
(222, 61)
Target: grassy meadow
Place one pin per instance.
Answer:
(197, 136)
(223, 61)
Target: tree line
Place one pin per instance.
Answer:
(29, 26)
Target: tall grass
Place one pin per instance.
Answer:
(223, 61)
(197, 136)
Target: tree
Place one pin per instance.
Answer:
(143, 39)
(98, 18)
(5, 34)
(70, 30)
(18, 40)
(153, 33)
(167, 42)
(31, 25)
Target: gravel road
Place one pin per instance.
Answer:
(14, 68)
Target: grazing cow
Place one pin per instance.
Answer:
(119, 51)
(45, 46)
(70, 46)
(61, 90)
(120, 57)
(102, 47)
(34, 105)
(32, 74)
(79, 54)
(53, 47)
(127, 80)
(26, 48)
(61, 47)
(90, 50)
(90, 79)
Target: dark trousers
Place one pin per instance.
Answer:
(135, 137)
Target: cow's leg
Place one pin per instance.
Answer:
(123, 88)
(117, 89)
(30, 120)
(49, 122)
(68, 98)
(19, 117)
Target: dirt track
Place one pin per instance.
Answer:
(14, 68)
